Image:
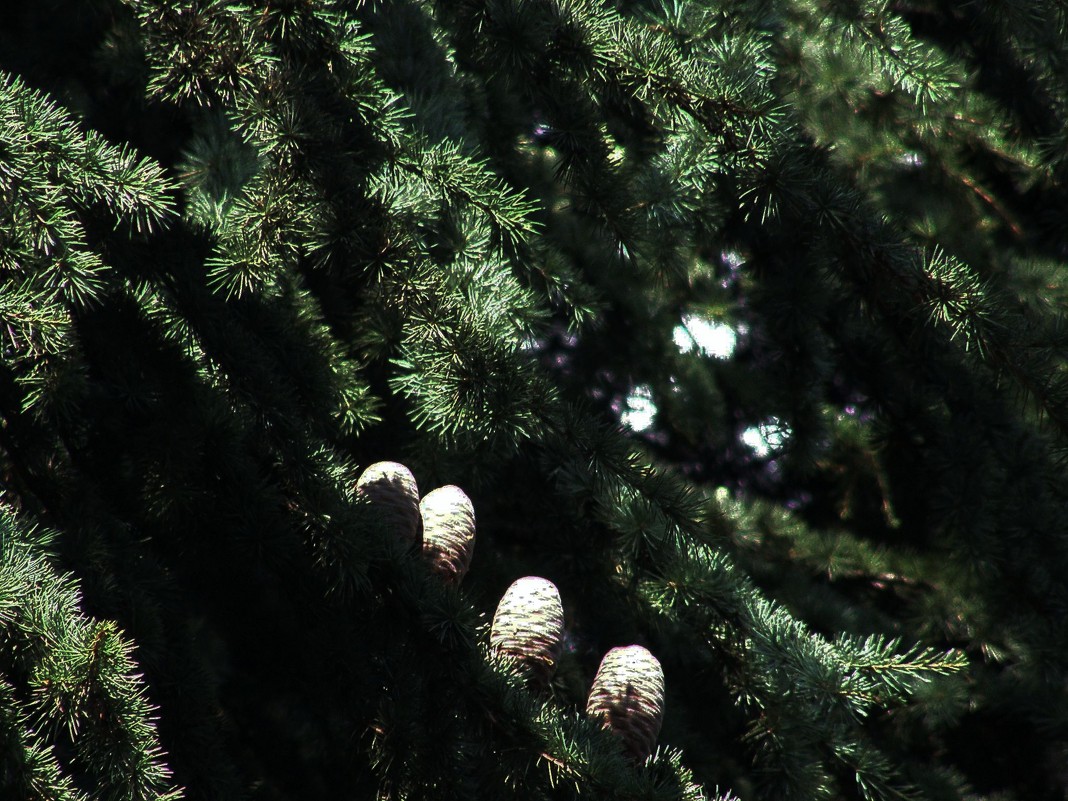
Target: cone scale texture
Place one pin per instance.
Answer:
(628, 698)
(391, 488)
(528, 627)
(448, 532)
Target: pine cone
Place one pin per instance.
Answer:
(448, 532)
(628, 697)
(528, 627)
(391, 488)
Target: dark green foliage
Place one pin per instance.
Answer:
(68, 688)
(249, 248)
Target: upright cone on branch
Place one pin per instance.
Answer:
(448, 532)
(628, 697)
(391, 488)
(528, 627)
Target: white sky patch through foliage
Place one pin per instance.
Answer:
(711, 337)
(640, 410)
(766, 437)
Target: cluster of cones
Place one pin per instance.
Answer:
(627, 696)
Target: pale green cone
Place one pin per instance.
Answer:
(528, 627)
(448, 532)
(391, 488)
(628, 698)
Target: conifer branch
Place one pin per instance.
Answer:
(483, 236)
(77, 677)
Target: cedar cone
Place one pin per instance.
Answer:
(391, 488)
(628, 697)
(448, 532)
(528, 627)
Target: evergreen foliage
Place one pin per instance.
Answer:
(249, 248)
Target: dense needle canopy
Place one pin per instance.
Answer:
(740, 324)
